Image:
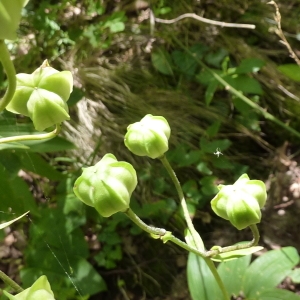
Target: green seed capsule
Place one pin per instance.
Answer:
(107, 186)
(241, 202)
(42, 96)
(149, 137)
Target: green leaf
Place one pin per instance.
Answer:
(194, 240)
(117, 27)
(292, 71)
(162, 62)
(268, 270)
(201, 282)
(210, 91)
(245, 84)
(208, 185)
(75, 96)
(15, 193)
(185, 62)
(35, 163)
(277, 294)
(222, 162)
(215, 58)
(205, 77)
(189, 158)
(211, 146)
(54, 145)
(234, 269)
(227, 256)
(213, 129)
(250, 65)
(204, 169)
(295, 275)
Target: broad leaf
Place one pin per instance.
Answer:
(15, 194)
(201, 282)
(232, 273)
(268, 270)
(295, 275)
(277, 294)
(35, 163)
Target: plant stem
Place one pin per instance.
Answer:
(196, 237)
(217, 277)
(162, 234)
(10, 282)
(238, 94)
(150, 229)
(34, 137)
(252, 243)
(10, 71)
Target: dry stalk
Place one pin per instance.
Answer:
(201, 19)
(279, 32)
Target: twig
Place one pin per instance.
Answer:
(201, 19)
(278, 31)
(288, 93)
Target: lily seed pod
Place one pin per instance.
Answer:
(40, 290)
(241, 202)
(42, 96)
(107, 186)
(149, 137)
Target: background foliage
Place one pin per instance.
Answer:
(125, 67)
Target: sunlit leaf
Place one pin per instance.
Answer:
(201, 282)
(234, 269)
(278, 294)
(268, 270)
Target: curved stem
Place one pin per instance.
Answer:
(10, 71)
(252, 243)
(10, 282)
(29, 137)
(196, 237)
(162, 234)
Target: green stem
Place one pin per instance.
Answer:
(10, 71)
(196, 237)
(217, 277)
(33, 137)
(238, 94)
(166, 236)
(252, 243)
(10, 282)
(162, 234)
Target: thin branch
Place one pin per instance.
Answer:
(288, 93)
(201, 19)
(278, 31)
